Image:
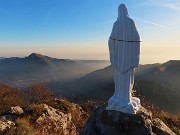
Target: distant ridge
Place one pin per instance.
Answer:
(172, 66)
(37, 68)
(22, 72)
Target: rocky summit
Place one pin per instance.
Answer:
(62, 117)
(37, 119)
(110, 122)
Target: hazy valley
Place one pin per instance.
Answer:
(84, 80)
(22, 72)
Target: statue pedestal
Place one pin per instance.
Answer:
(127, 107)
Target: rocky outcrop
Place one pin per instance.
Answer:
(54, 120)
(109, 122)
(64, 118)
(5, 124)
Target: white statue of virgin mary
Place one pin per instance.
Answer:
(124, 48)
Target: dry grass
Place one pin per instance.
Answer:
(171, 120)
(24, 127)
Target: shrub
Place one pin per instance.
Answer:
(63, 108)
(40, 93)
(35, 110)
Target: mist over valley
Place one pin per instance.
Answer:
(82, 80)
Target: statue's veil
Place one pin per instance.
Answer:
(122, 11)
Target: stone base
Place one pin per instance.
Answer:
(131, 108)
(110, 122)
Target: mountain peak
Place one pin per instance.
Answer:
(36, 55)
(39, 58)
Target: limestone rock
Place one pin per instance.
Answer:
(5, 124)
(54, 120)
(64, 118)
(16, 110)
(160, 128)
(110, 122)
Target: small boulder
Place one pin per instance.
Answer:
(16, 110)
(53, 120)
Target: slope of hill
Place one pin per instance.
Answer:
(158, 84)
(94, 64)
(46, 114)
(161, 85)
(11, 97)
(145, 68)
(167, 73)
(98, 80)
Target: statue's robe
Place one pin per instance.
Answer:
(124, 48)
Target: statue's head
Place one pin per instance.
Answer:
(122, 11)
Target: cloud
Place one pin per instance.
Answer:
(150, 22)
(142, 20)
(174, 6)
(172, 23)
(143, 3)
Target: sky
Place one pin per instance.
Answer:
(79, 29)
